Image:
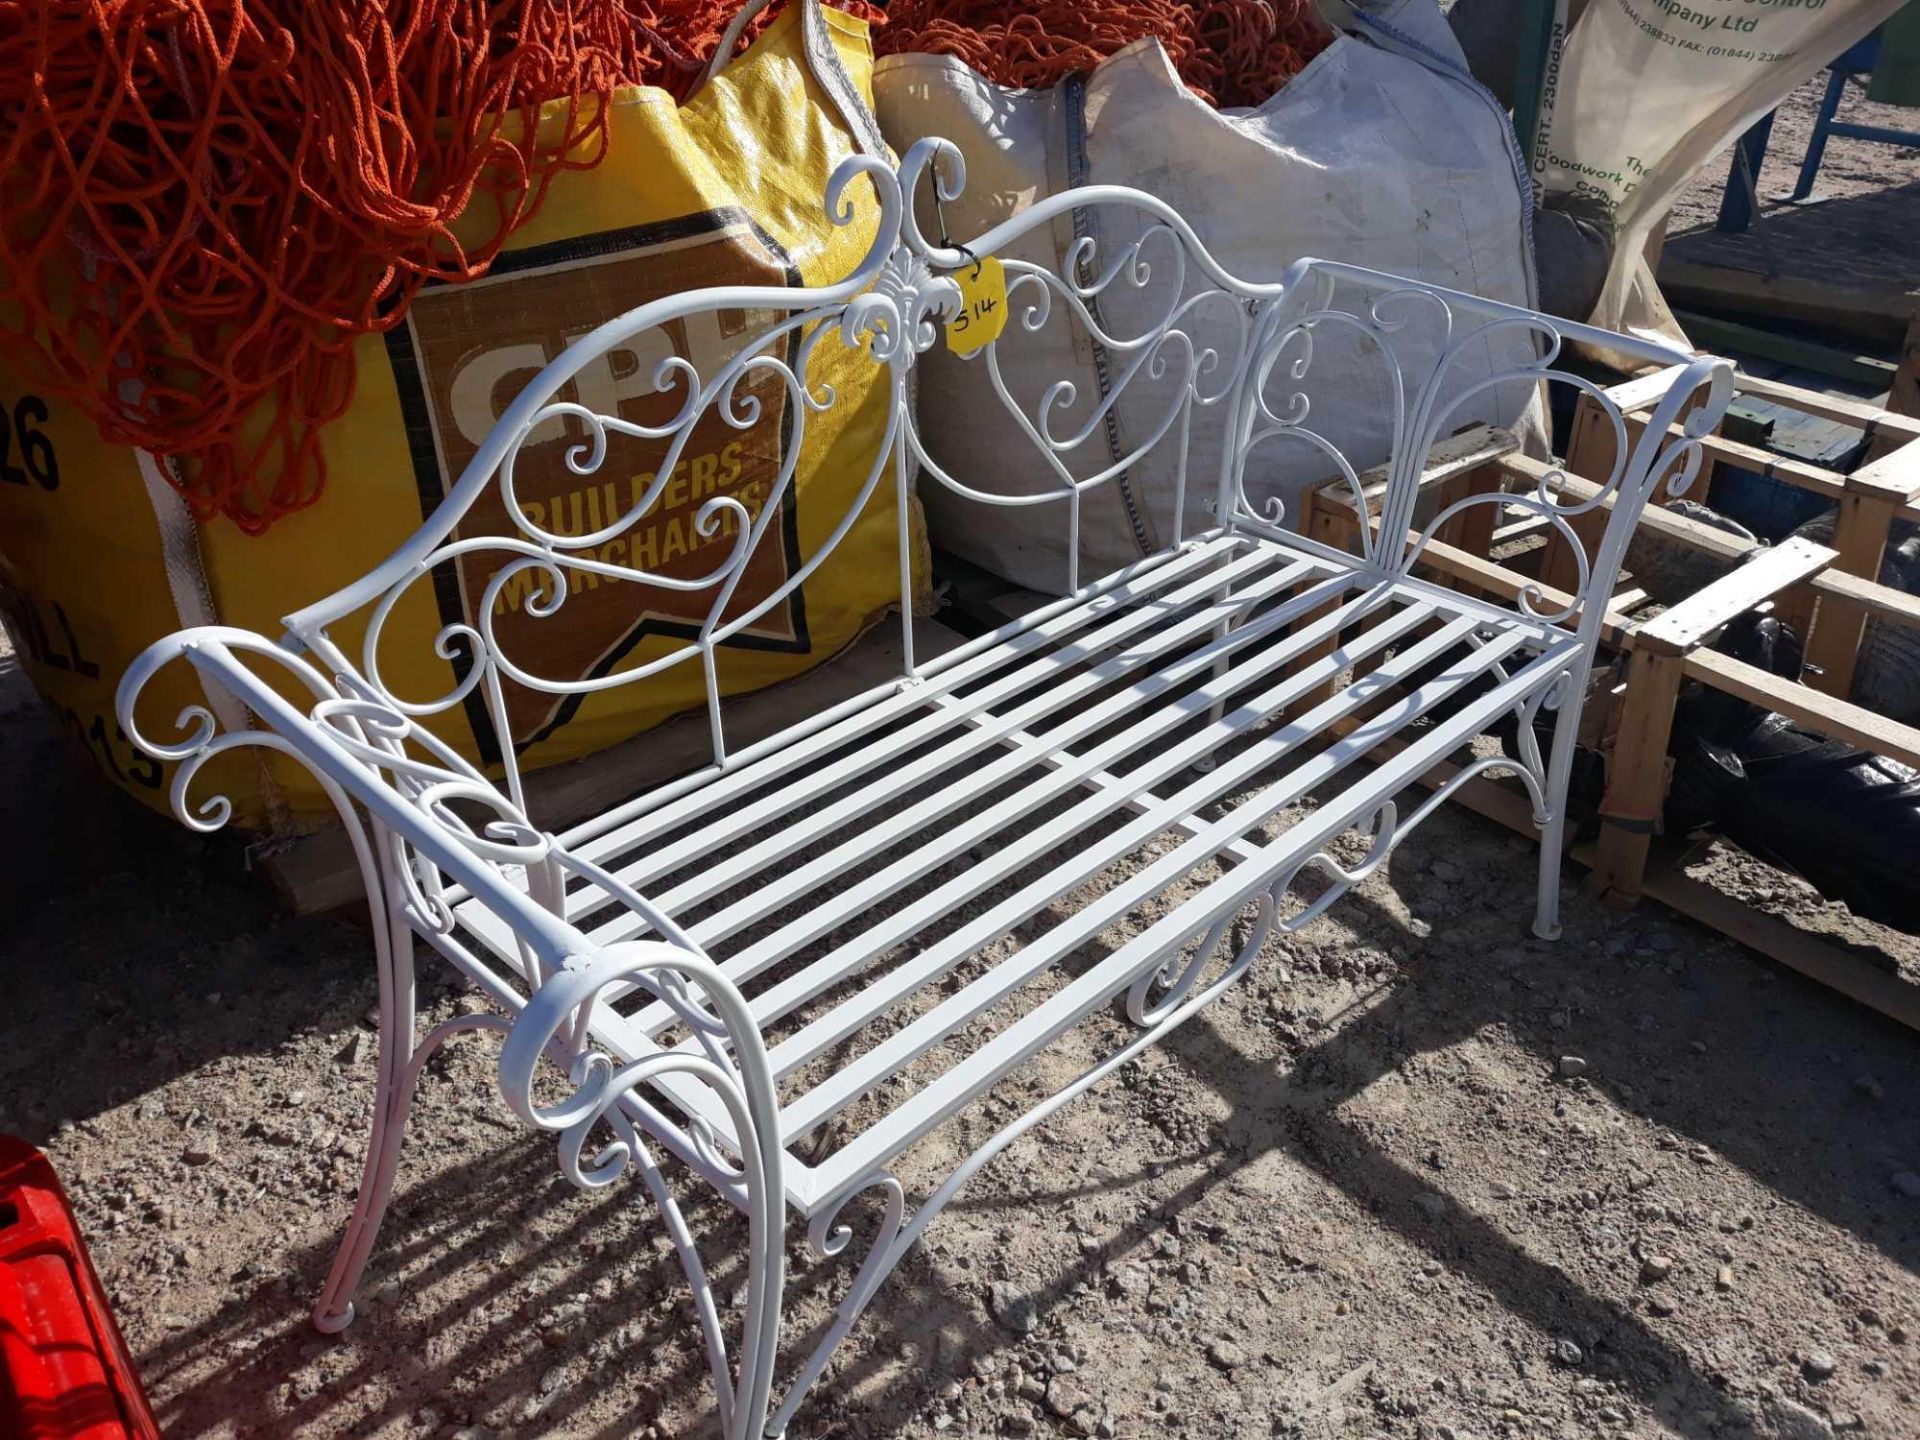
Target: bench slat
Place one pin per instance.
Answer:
(807, 786)
(1035, 665)
(800, 1117)
(995, 767)
(926, 1108)
(858, 952)
(645, 817)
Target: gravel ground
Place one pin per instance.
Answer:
(1419, 1177)
(1849, 168)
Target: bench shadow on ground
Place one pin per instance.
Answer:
(1773, 1041)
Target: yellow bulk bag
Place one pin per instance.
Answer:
(98, 558)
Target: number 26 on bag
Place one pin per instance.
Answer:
(982, 313)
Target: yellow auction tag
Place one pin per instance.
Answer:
(983, 306)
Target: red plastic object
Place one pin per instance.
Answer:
(64, 1370)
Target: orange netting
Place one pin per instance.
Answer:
(203, 203)
(1229, 52)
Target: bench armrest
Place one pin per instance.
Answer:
(372, 760)
(724, 1054)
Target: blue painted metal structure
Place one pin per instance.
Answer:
(1740, 199)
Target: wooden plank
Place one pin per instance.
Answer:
(1871, 313)
(1820, 480)
(1592, 452)
(1877, 493)
(316, 873)
(1870, 596)
(1711, 333)
(1860, 535)
(1818, 959)
(1775, 467)
(1694, 534)
(1016, 604)
(1496, 579)
(1328, 512)
(1520, 529)
(1824, 714)
(1785, 430)
(1881, 601)
(1447, 460)
(1636, 776)
(1728, 545)
(1643, 392)
(1905, 396)
(1618, 628)
(1472, 529)
(1871, 418)
(1853, 976)
(1894, 477)
(1677, 630)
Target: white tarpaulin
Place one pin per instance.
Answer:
(1646, 92)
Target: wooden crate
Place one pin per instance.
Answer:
(1827, 593)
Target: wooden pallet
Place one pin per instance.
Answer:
(1827, 592)
(1704, 271)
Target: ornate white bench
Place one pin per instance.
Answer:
(900, 894)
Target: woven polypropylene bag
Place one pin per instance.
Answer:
(725, 189)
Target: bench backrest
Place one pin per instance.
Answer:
(1229, 387)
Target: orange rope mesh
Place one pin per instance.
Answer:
(1229, 52)
(203, 203)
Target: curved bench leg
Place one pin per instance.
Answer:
(728, 1063)
(828, 1239)
(1546, 907)
(399, 1063)
(1553, 832)
(897, 1232)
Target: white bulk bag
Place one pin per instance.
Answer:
(1383, 152)
(1646, 92)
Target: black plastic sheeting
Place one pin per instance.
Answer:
(1844, 819)
(1886, 676)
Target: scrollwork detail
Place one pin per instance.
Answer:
(1159, 992)
(1384, 823)
(730, 1064)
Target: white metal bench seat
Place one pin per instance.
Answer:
(787, 968)
(1005, 768)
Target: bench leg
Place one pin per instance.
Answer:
(1553, 828)
(727, 1064)
(1546, 904)
(401, 1063)
(1163, 997)
(393, 1095)
(1636, 791)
